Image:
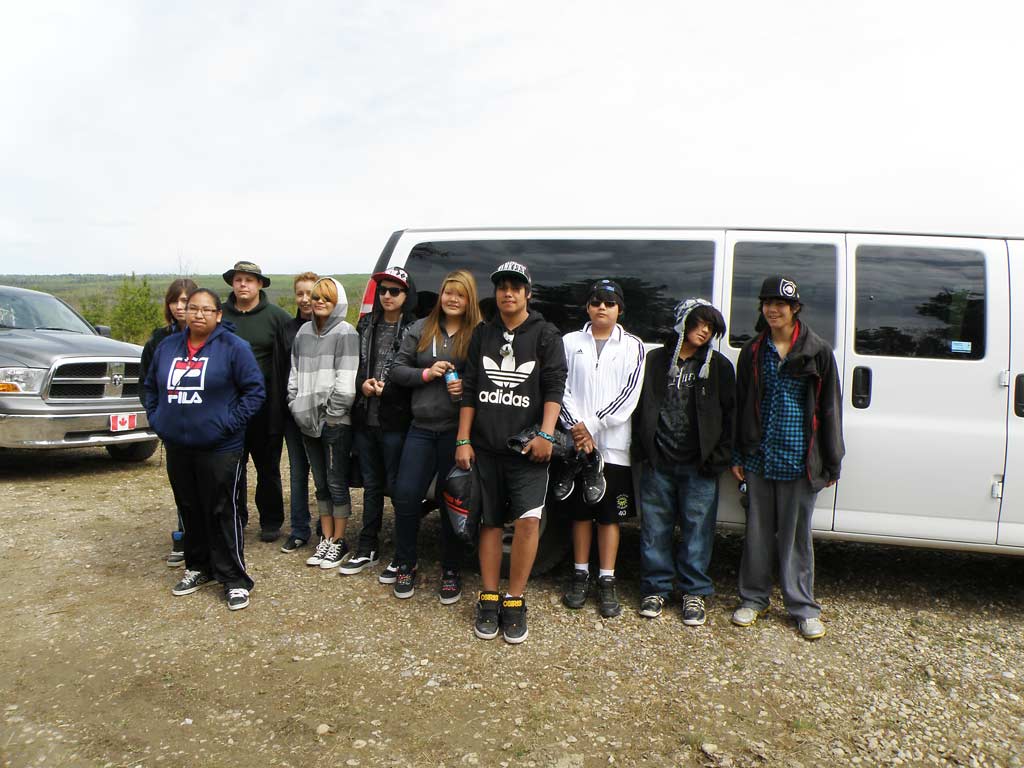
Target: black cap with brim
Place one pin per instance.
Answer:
(779, 287)
(512, 270)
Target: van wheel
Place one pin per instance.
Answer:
(133, 451)
(555, 543)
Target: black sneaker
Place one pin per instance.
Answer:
(608, 599)
(650, 606)
(191, 582)
(237, 599)
(565, 478)
(358, 562)
(488, 620)
(319, 552)
(389, 575)
(405, 582)
(176, 558)
(451, 587)
(334, 555)
(513, 619)
(694, 614)
(293, 543)
(576, 595)
(592, 474)
(270, 534)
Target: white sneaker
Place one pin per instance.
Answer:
(319, 552)
(811, 629)
(745, 616)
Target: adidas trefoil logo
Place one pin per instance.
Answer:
(507, 376)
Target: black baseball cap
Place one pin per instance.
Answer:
(779, 287)
(603, 288)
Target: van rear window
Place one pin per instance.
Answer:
(654, 275)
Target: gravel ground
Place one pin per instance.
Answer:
(100, 665)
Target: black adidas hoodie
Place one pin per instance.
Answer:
(509, 393)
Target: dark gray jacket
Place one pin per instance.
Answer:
(432, 408)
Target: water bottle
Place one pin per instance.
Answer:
(449, 377)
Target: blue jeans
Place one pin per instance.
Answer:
(379, 455)
(426, 454)
(669, 494)
(328, 458)
(298, 464)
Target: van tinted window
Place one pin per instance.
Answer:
(654, 275)
(811, 265)
(920, 302)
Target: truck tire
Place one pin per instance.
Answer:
(133, 451)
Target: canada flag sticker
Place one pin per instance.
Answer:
(124, 422)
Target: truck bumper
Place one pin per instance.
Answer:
(71, 431)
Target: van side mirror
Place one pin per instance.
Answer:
(103, 330)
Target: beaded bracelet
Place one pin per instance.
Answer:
(462, 442)
(545, 435)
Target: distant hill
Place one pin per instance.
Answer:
(93, 294)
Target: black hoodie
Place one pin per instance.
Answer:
(395, 411)
(509, 393)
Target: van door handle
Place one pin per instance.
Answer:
(862, 386)
(1018, 395)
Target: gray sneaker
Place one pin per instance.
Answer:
(651, 606)
(744, 616)
(811, 629)
(694, 614)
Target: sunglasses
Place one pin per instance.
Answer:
(506, 348)
(597, 303)
(390, 290)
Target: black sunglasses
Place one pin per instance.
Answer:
(595, 303)
(390, 290)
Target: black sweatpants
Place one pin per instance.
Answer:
(265, 450)
(205, 485)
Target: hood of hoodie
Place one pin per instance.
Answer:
(337, 314)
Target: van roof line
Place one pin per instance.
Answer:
(663, 228)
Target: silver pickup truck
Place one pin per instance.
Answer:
(63, 384)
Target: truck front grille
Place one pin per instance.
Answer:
(95, 380)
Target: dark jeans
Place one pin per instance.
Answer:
(379, 455)
(298, 471)
(425, 454)
(328, 459)
(204, 486)
(265, 451)
(669, 494)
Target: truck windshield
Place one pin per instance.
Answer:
(38, 311)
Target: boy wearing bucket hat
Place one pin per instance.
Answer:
(682, 430)
(788, 446)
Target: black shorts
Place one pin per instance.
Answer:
(513, 486)
(618, 503)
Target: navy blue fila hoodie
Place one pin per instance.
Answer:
(509, 391)
(204, 402)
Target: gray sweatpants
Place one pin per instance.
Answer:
(779, 530)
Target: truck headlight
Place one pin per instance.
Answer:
(22, 380)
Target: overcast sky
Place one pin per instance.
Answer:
(158, 137)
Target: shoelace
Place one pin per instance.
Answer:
(692, 601)
(238, 592)
(191, 576)
(322, 547)
(332, 551)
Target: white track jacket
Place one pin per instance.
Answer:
(602, 393)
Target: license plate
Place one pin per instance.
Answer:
(124, 422)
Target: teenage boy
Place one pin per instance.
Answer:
(605, 376)
(682, 431)
(514, 380)
(382, 410)
(264, 325)
(788, 446)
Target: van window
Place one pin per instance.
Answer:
(920, 302)
(654, 275)
(811, 265)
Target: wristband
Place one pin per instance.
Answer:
(426, 373)
(545, 435)
(462, 442)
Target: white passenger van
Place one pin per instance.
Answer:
(930, 353)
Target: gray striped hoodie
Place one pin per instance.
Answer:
(322, 381)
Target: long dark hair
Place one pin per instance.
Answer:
(177, 287)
